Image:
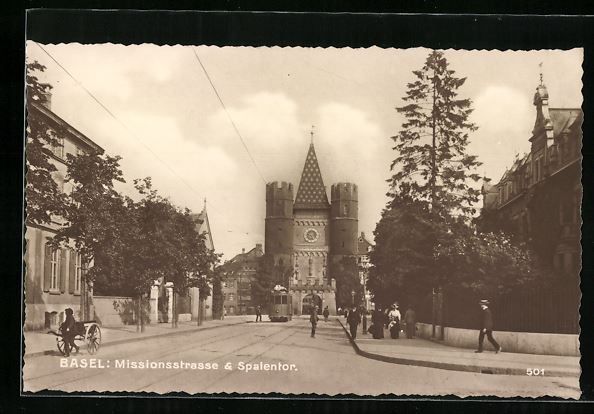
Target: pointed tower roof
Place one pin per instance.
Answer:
(312, 192)
(203, 226)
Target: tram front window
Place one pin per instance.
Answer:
(283, 300)
(277, 300)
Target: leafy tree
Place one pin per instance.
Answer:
(402, 256)
(172, 249)
(267, 277)
(432, 164)
(97, 217)
(488, 264)
(425, 238)
(44, 198)
(346, 273)
(415, 253)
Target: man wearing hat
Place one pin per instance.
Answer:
(68, 332)
(487, 327)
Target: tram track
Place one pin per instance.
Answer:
(157, 356)
(219, 357)
(205, 341)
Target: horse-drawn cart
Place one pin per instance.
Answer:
(86, 331)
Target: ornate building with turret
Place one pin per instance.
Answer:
(308, 233)
(538, 201)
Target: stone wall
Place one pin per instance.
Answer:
(521, 342)
(114, 310)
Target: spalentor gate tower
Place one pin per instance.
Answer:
(307, 233)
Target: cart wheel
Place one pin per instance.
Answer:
(61, 345)
(93, 337)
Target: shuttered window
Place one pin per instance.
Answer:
(54, 275)
(78, 269)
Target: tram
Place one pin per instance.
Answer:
(281, 306)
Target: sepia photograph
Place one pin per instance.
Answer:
(298, 220)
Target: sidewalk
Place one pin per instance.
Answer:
(421, 352)
(39, 343)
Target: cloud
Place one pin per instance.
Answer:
(353, 148)
(180, 168)
(117, 67)
(269, 125)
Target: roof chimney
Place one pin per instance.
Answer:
(242, 250)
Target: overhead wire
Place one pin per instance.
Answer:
(228, 115)
(130, 132)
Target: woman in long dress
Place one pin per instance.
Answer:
(378, 320)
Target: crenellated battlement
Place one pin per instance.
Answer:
(344, 192)
(279, 190)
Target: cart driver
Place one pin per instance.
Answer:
(68, 329)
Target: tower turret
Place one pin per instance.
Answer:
(279, 221)
(344, 219)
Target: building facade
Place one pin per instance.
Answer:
(538, 201)
(202, 227)
(308, 233)
(240, 272)
(54, 277)
(539, 198)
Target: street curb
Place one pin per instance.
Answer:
(139, 338)
(450, 366)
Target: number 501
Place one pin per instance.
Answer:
(535, 371)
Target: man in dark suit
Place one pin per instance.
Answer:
(487, 327)
(354, 319)
(68, 329)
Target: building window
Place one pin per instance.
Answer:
(78, 269)
(58, 147)
(231, 297)
(55, 270)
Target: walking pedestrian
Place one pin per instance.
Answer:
(410, 319)
(258, 314)
(394, 324)
(326, 313)
(487, 328)
(353, 320)
(313, 319)
(364, 320)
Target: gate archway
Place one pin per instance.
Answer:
(309, 301)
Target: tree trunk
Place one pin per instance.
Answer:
(433, 312)
(200, 311)
(138, 329)
(141, 315)
(441, 315)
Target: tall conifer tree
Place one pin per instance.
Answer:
(432, 164)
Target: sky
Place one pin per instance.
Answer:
(166, 121)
